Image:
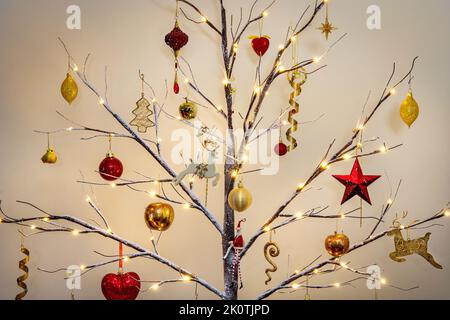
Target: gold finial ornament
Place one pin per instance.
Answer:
(69, 89)
(409, 110)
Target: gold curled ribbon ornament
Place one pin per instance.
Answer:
(296, 80)
(23, 266)
(271, 250)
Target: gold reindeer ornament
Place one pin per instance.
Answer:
(404, 248)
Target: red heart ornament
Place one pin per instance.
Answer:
(261, 45)
(121, 286)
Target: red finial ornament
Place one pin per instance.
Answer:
(176, 40)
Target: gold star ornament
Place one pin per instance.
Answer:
(327, 28)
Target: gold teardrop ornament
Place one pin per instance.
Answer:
(69, 89)
(49, 157)
(240, 199)
(409, 110)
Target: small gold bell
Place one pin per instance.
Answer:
(49, 157)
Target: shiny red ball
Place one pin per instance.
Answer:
(261, 45)
(121, 286)
(281, 149)
(111, 168)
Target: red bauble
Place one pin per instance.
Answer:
(111, 168)
(261, 45)
(176, 39)
(281, 149)
(356, 183)
(121, 286)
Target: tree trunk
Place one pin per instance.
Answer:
(230, 278)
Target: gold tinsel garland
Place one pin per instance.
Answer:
(296, 80)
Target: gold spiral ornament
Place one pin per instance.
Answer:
(296, 80)
(23, 266)
(271, 250)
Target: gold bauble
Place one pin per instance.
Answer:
(240, 199)
(188, 110)
(409, 110)
(69, 89)
(159, 216)
(49, 157)
(337, 244)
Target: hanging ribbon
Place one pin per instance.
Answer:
(23, 266)
(120, 258)
(271, 249)
(296, 80)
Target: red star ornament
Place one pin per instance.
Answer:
(356, 183)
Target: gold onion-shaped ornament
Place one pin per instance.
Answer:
(49, 157)
(409, 110)
(159, 216)
(69, 89)
(240, 199)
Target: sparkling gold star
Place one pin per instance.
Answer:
(327, 28)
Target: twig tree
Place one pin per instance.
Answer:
(229, 38)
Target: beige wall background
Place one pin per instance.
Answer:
(127, 36)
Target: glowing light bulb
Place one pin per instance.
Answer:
(159, 140)
(393, 91)
(297, 271)
(186, 206)
(82, 267)
(293, 38)
(204, 19)
(75, 232)
(324, 165)
(266, 229)
(346, 156)
(186, 278)
(342, 216)
(88, 199)
(265, 14)
(33, 227)
(301, 186)
(126, 259)
(285, 123)
(383, 281)
(113, 185)
(389, 202)
(155, 287)
(316, 271)
(75, 68)
(101, 101)
(295, 286)
(337, 285)
(299, 215)
(244, 158)
(447, 213)
(109, 231)
(317, 59)
(281, 47)
(152, 194)
(46, 219)
(69, 129)
(383, 149)
(234, 174)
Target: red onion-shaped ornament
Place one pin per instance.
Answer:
(111, 168)
(121, 286)
(176, 39)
